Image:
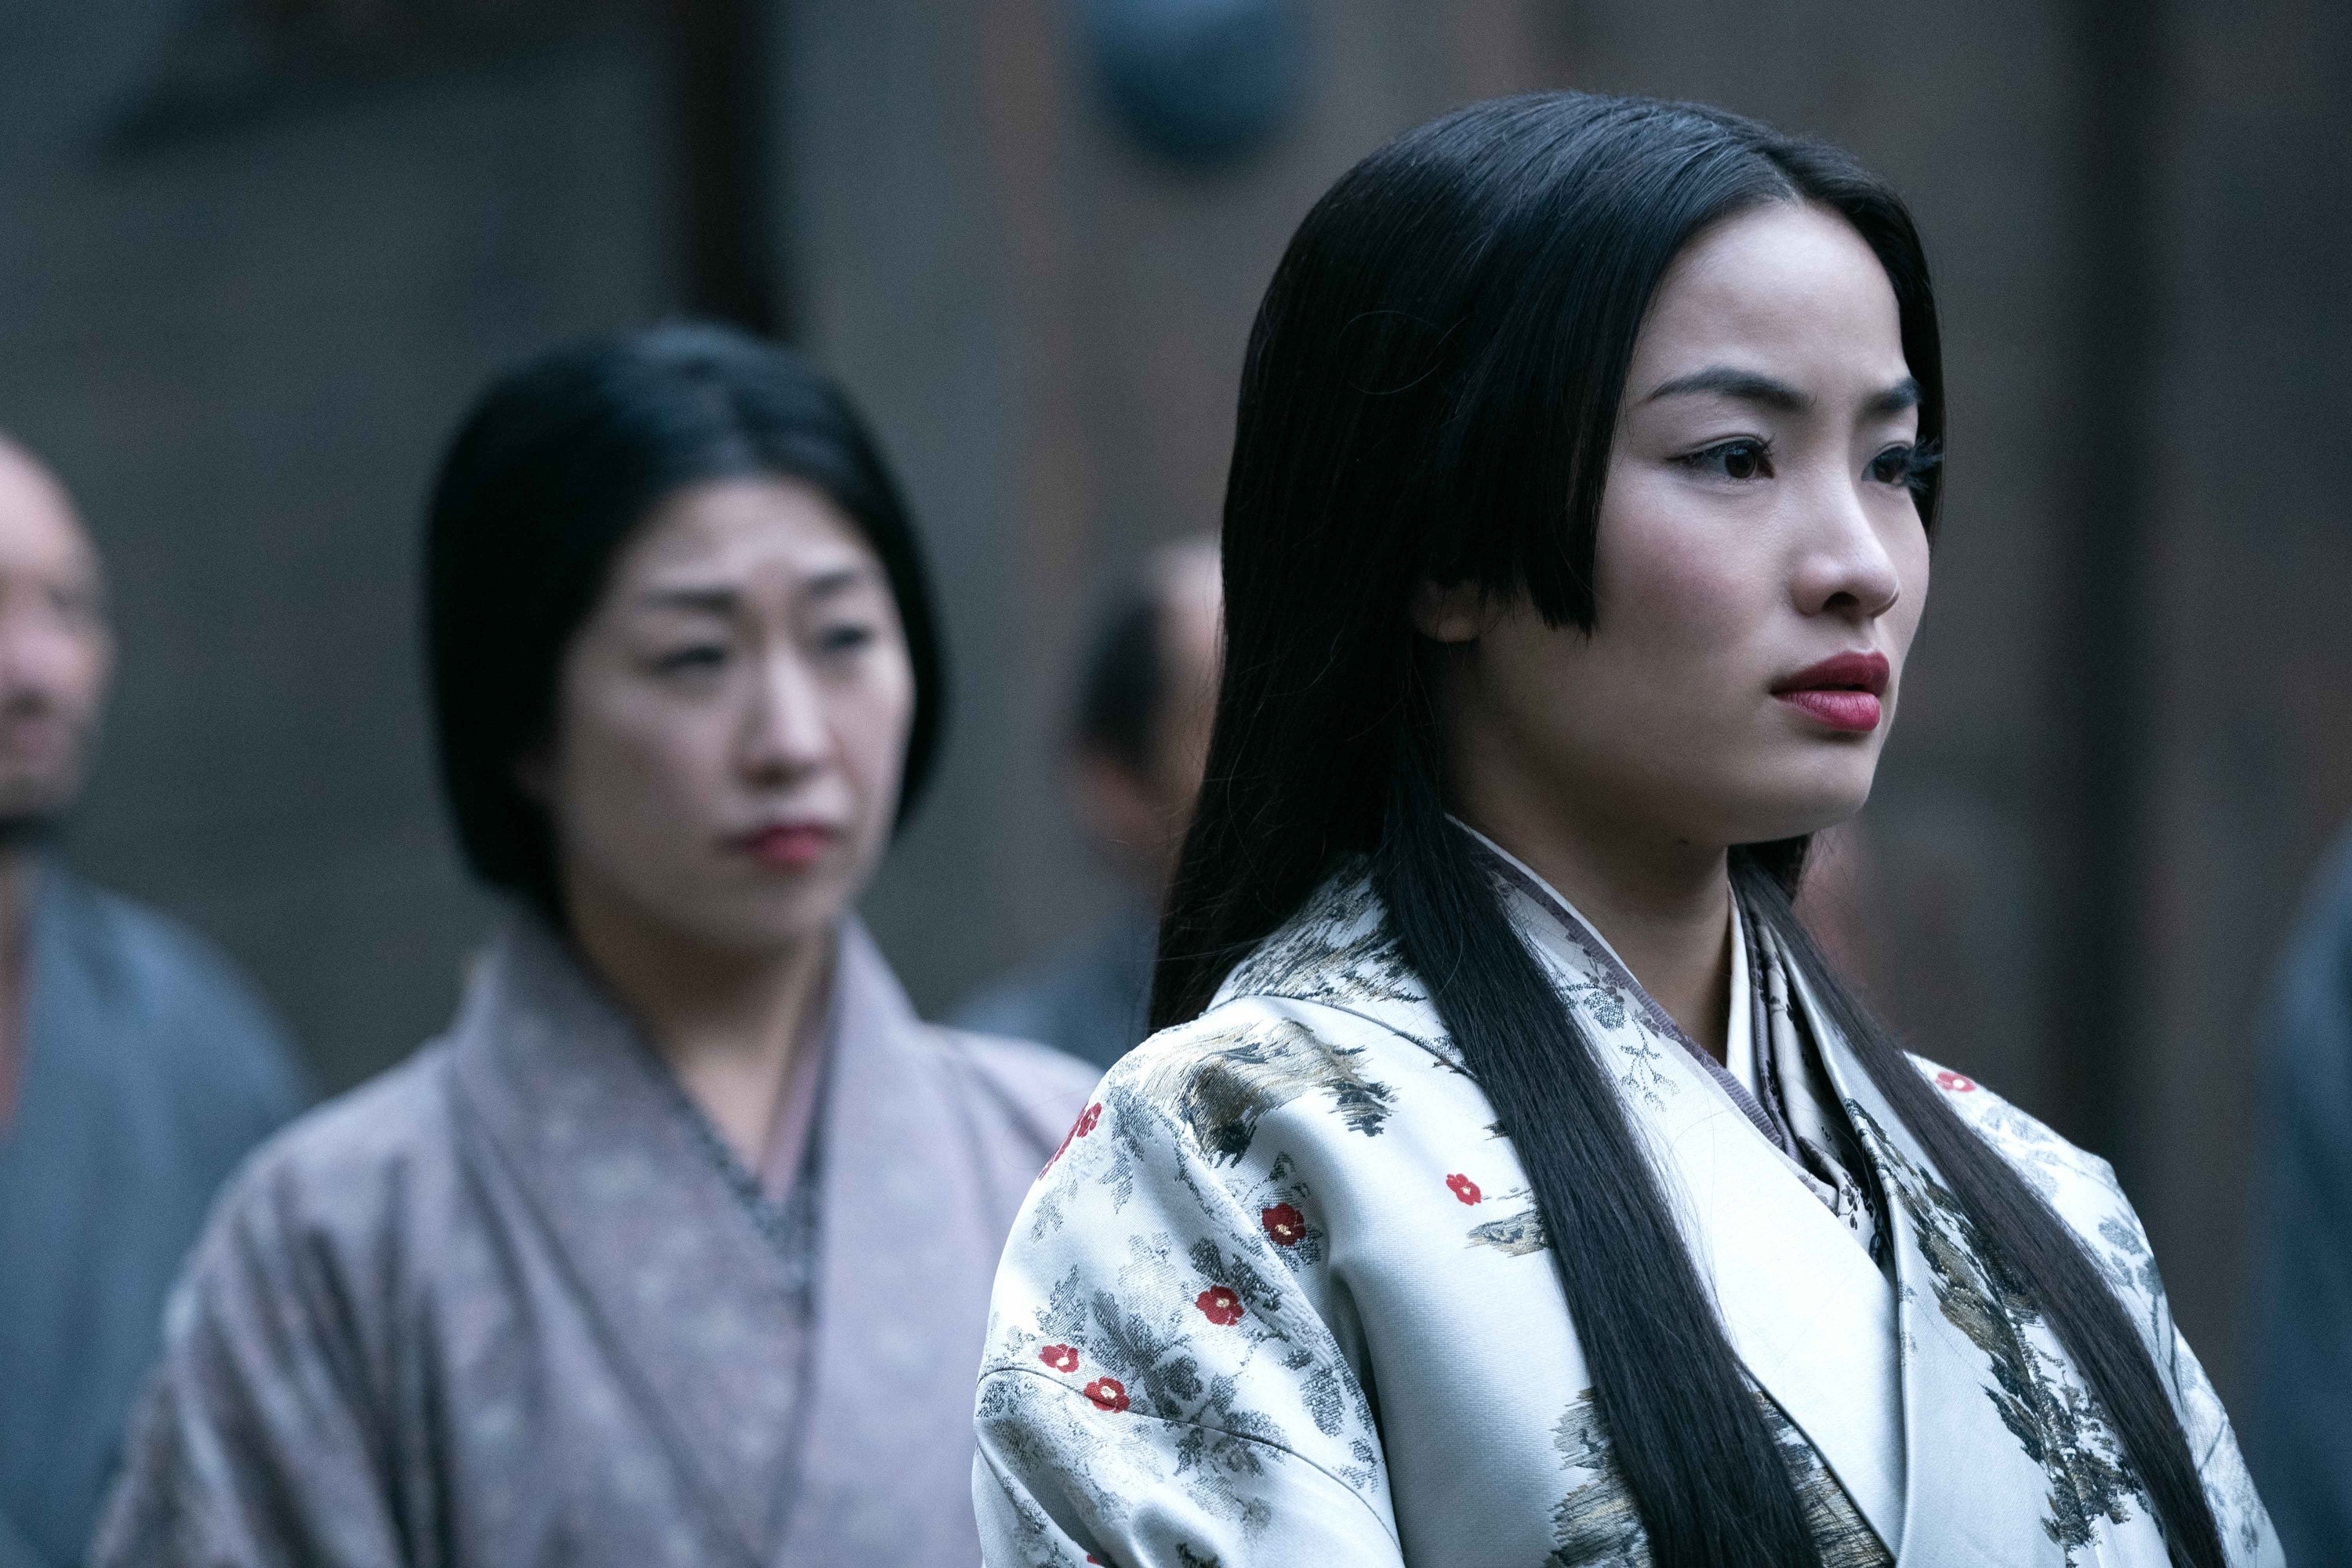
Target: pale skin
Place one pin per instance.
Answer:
(56, 657)
(731, 722)
(1757, 519)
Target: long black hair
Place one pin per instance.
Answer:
(1429, 393)
(552, 472)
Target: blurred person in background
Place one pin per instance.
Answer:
(136, 1067)
(2302, 1431)
(676, 1247)
(1137, 738)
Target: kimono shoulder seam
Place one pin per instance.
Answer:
(1382, 1025)
(1386, 1528)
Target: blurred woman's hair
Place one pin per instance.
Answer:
(552, 473)
(1430, 395)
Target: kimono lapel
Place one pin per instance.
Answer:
(912, 1224)
(1969, 1372)
(1810, 1315)
(648, 1220)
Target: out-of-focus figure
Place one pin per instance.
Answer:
(2302, 1446)
(676, 1247)
(135, 1067)
(1139, 736)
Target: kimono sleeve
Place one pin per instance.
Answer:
(249, 1448)
(1161, 1387)
(2082, 1190)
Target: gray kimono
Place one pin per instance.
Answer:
(514, 1303)
(147, 1071)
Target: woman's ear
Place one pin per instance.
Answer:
(1455, 613)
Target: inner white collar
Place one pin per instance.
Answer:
(1739, 1029)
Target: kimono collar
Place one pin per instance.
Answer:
(1944, 1406)
(641, 1201)
(664, 1240)
(1560, 924)
(1809, 1316)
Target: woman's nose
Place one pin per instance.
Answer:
(1846, 568)
(786, 734)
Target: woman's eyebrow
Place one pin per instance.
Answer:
(824, 584)
(1753, 386)
(715, 600)
(720, 599)
(1902, 395)
(1745, 385)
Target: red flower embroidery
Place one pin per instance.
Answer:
(1285, 1226)
(1061, 1358)
(1463, 1188)
(1958, 1083)
(1219, 1305)
(1109, 1394)
(1086, 1123)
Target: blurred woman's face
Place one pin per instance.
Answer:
(731, 721)
(1759, 569)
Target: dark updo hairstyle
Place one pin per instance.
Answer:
(552, 473)
(1430, 395)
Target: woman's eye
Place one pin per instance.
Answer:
(1912, 466)
(1892, 467)
(684, 660)
(1746, 458)
(843, 639)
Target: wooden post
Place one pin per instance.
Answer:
(721, 66)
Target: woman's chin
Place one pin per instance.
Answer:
(768, 922)
(1799, 813)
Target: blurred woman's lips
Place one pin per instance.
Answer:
(1841, 692)
(788, 845)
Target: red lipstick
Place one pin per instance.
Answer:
(788, 845)
(1842, 692)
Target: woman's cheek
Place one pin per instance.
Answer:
(1914, 575)
(872, 735)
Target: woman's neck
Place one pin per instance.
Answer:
(1663, 904)
(730, 1023)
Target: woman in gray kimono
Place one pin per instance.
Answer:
(676, 1248)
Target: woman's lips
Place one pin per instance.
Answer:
(1853, 713)
(1841, 692)
(790, 846)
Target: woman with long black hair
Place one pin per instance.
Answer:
(1511, 1181)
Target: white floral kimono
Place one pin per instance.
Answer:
(1282, 1298)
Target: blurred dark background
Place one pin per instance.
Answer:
(256, 255)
